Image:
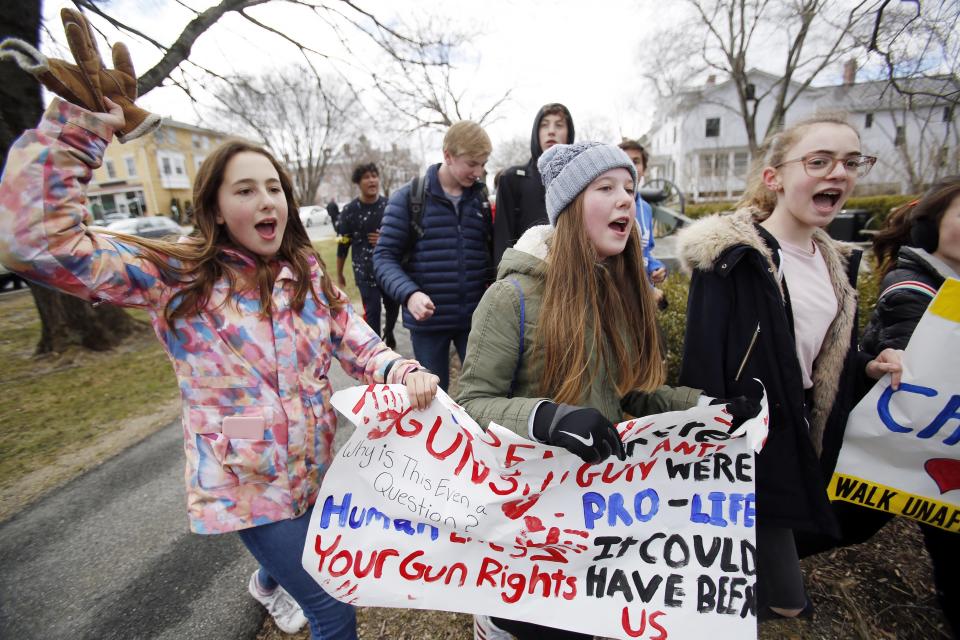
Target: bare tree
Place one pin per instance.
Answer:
(731, 37)
(507, 153)
(413, 52)
(302, 118)
(421, 86)
(925, 141)
(65, 320)
(395, 163)
(918, 45)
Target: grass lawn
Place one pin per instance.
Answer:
(53, 406)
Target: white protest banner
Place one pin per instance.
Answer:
(899, 451)
(426, 510)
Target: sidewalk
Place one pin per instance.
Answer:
(110, 556)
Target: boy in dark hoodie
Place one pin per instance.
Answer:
(520, 194)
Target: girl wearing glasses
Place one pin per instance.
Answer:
(773, 297)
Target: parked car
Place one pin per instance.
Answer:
(148, 227)
(114, 216)
(314, 215)
(8, 277)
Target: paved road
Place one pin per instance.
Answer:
(110, 556)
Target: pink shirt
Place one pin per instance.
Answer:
(813, 300)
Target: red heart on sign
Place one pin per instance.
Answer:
(945, 472)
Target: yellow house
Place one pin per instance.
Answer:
(153, 174)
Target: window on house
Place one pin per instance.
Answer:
(674, 134)
(948, 114)
(706, 165)
(173, 173)
(868, 121)
(713, 127)
(714, 165)
(111, 169)
(131, 166)
(197, 161)
(740, 161)
(943, 156)
(901, 136)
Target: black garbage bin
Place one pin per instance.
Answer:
(848, 223)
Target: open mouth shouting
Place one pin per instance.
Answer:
(826, 200)
(267, 228)
(620, 225)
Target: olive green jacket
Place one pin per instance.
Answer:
(494, 346)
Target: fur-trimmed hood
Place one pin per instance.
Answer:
(702, 245)
(529, 255)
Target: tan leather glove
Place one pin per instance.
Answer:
(86, 83)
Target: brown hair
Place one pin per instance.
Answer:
(772, 152)
(611, 300)
(928, 210)
(553, 109)
(629, 144)
(201, 264)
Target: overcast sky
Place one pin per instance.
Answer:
(584, 54)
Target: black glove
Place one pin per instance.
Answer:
(740, 409)
(583, 431)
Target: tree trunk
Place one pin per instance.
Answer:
(68, 321)
(65, 320)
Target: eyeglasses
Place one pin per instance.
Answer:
(819, 165)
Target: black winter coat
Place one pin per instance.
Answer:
(521, 200)
(450, 263)
(740, 327)
(905, 293)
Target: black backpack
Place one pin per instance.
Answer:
(415, 197)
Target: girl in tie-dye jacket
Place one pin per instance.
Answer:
(244, 309)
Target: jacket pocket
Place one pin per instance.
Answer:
(224, 462)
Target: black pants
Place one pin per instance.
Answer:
(530, 631)
(859, 524)
(371, 296)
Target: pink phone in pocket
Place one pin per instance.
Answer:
(246, 427)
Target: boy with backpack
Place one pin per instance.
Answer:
(434, 253)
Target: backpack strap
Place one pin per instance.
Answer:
(516, 370)
(417, 187)
(415, 209)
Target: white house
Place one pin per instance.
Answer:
(699, 142)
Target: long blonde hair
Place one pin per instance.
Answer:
(772, 152)
(611, 300)
(200, 259)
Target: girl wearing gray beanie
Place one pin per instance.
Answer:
(564, 344)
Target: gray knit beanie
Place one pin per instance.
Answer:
(567, 169)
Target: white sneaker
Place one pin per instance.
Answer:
(280, 605)
(484, 629)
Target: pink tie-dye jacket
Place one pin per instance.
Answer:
(230, 360)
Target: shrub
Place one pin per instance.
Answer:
(701, 209)
(878, 206)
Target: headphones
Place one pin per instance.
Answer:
(924, 233)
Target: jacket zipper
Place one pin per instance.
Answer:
(746, 356)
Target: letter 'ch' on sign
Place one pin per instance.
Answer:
(901, 448)
(424, 509)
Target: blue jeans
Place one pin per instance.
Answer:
(278, 547)
(432, 350)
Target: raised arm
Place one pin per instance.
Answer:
(43, 213)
